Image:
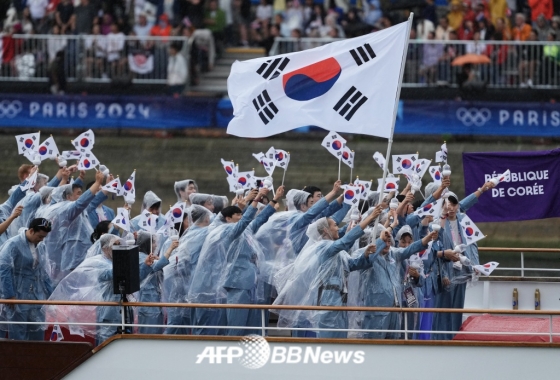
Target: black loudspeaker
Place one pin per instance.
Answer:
(126, 270)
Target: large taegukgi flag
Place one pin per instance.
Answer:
(346, 86)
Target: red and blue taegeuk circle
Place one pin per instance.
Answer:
(84, 143)
(28, 143)
(469, 231)
(349, 194)
(127, 185)
(177, 212)
(43, 150)
(311, 81)
(406, 163)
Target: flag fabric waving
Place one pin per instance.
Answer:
(365, 187)
(122, 220)
(323, 87)
(404, 163)
(504, 177)
(431, 209)
(128, 189)
(48, 149)
(230, 168)
(114, 186)
(471, 231)
(435, 172)
(147, 221)
(487, 268)
(282, 158)
(245, 179)
(88, 161)
(177, 212)
(29, 182)
(351, 194)
(335, 144)
(348, 156)
(28, 141)
(85, 141)
(421, 167)
(71, 155)
(391, 184)
(378, 157)
(441, 156)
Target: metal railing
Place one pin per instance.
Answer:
(555, 272)
(512, 64)
(264, 328)
(98, 58)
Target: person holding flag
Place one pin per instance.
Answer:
(453, 295)
(244, 276)
(69, 240)
(183, 189)
(101, 212)
(23, 276)
(319, 276)
(151, 280)
(206, 286)
(178, 275)
(151, 203)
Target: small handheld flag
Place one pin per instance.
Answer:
(431, 209)
(147, 221)
(404, 163)
(391, 184)
(282, 158)
(471, 232)
(335, 144)
(113, 187)
(348, 156)
(504, 177)
(435, 173)
(87, 161)
(85, 141)
(351, 194)
(48, 149)
(245, 179)
(487, 268)
(365, 187)
(56, 335)
(128, 189)
(27, 141)
(29, 182)
(71, 155)
(441, 156)
(122, 219)
(230, 168)
(378, 157)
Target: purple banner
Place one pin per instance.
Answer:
(531, 193)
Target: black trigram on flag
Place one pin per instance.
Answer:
(264, 106)
(272, 68)
(362, 54)
(349, 103)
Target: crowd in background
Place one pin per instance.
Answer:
(260, 22)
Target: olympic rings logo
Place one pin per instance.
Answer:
(10, 109)
(473, 116)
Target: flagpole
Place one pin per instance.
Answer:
(339, 161)
(351, 169)
(284, 176)
(395, 109)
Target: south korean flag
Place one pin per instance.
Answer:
(324, 87)
(351, 194)
(404, 163)
(470, 231)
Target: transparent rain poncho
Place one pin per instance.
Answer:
(182, 186)
(206, 285)
(318, 276)
(296, 198)
(182, 263)
(220, 202)
(150, 199)
(69, 239)
(31, 202)
(95, 249)
(92, 280)
(22, 279)
(205, 200)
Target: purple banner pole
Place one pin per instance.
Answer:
(531, 193)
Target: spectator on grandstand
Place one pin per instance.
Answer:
(498, 55)
(294, 15)
(215, 21)
(64, 16)
(56, 43)
(162, 28)
(502, 28)
(332, 28)
(241, 13)
(521, 30)
(551, 61)
(37, 10)
(429, 13)
(555, 26)
(476, 46)
(283, 27)
(57, 74)
(423, 27)
(466, 31)
(412, 60)
(541, 7)
(431, 54)
(481, 12)
(443, 29)
(85, 15)
(106, 22)
(450, 52)
(542, 28)
(372, 11)
(142, 27)
(26, 22)
(531, 57)
(456, 14)
(264, 13)
(498, 9)
(485, 30)
(353, 24)
(96, 53)
(316, 21)
(115, 50)
(176, 71)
